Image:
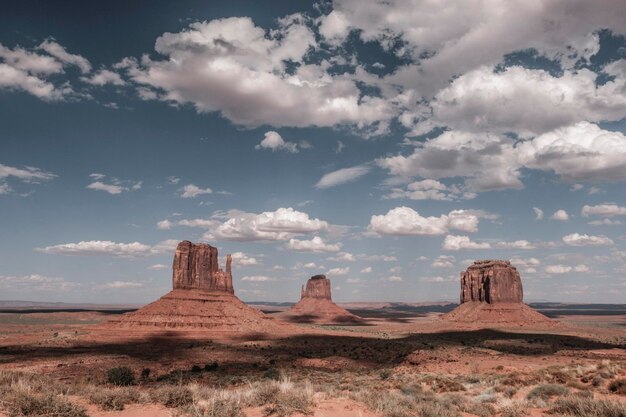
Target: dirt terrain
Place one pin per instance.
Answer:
(421, 362)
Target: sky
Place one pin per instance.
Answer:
(386, 144)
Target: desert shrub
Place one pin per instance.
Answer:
(219, 405)
(385, 374)
(121, 376)
(113, 398)
(264, 394)
(196, 369)
(24, 403)
(618, 387)
(210, 367)
(448, 385)
(272, 373)
(290, 401)
(517, 409)
(172, 396)
(145, 374)
(480, 409)
(436, 410)
(597, 381)
(546, 391)
(577, 406)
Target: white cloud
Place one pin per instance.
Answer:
(605, 222)
(164, 225)
(26, 174)
(257, 278)
(173, 180)
(275, 142)
(310, 265)
(366, 270)
(282, 224)
(238, 69)
(443, 261)
(526, 101)
(109, 188)
(338, 271)
(394, 278)
(193, 191)
(564, 269)
(404, 221)
(452, 242)
(60, 53)
(343, 257)
(517, 244)
(104, 77)
(35, 282)
(576, 239)
(538, 213)
(159, 266)
(342, 176)
(606, 210)
(241, 259)
(579, 152)
(521, 262)
(106, 247)
(430, 190)
(122, 285)
(560, 215)
(316, 244)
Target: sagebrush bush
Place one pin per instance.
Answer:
(577, 406)
(618, 386)
(113, 398)
(23, 403)
(546, 391)
(121, 376)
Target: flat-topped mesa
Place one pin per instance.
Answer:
(196, 267)
(491, 281)
(318, 287)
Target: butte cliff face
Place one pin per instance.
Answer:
(491, 281)
(317, 286)
(492, 295)
(316, 305)
(202, 299)
(196, 267)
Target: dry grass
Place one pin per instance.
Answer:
(577, 406)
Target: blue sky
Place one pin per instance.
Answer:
(386, 144)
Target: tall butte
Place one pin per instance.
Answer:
(202, 298)
(316, 305)
(492, 294)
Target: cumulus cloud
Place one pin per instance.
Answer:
(404, 221)
(108, 248)
(240, 70)
(443, 261)
(525, 262)
(30, 175)
(538, 213)
(121, 285)
(274, 142)
(605, 210)
(33, 72)
(576, 239)
(241, 259)
(394, 278)
(343, 257)
(338, 271)
(113, 186)
(516, 244)
(109, 188)
(366, 270)
(452, 242)
(159, 266)
(104, 77)
(430, 190)
(35, 282)
(342, 176)
(282, 224)
(317, 244)
(193, 191)
(560, 215)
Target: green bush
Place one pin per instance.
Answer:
(121, 376)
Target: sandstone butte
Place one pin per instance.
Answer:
(202, 298)
(492, 294)
(316, 305)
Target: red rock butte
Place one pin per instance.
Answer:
(492, 294)
(202, 299)
(316, 305)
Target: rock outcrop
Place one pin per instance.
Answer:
(317, 286)
(196, 267)
(202, 299)
(492, 296)
(316, 305)
(491, 281)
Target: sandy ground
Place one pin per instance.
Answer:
(67, 346)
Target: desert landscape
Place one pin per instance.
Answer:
(200, 351)
(315, 208)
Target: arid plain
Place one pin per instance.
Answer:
(199, 351)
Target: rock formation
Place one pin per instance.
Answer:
(196, 267)
(316, 305)
(202, 299)
(491, 281)
(492, 295)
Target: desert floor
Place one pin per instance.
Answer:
(404, 361)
